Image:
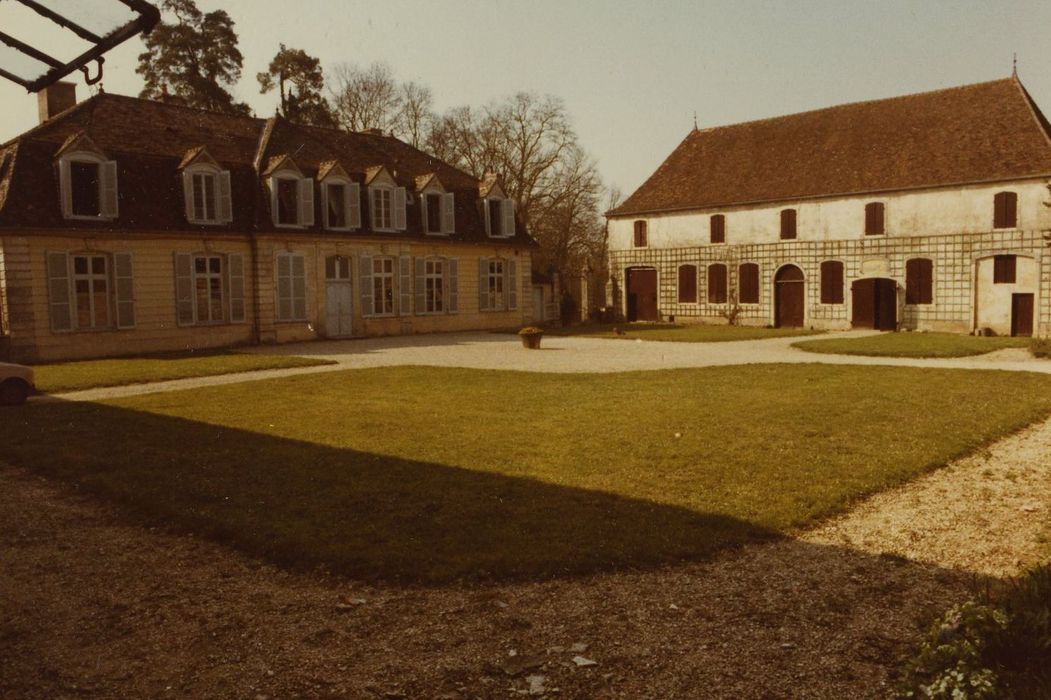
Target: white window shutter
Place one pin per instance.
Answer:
(405, 284)
(235, 270)
(353, 205)
(421, 285)
(125, 290)
(507, 216)
(65, 188)
(511, 284)
(184, 307)
(483, 283)
(224, 199)
(306, 201)
(448, 213)
(284, 287)
(485, 217)
(399, 209)
(187, 194)
(366, 285)
(58, 292)
(299, 287)
(452, 284)
(108, 189)
(423, 214)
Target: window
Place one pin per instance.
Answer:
(495, 285)
(434, 286)
(688, 284)
(832, 282)
(433, 207)
(383, 286)
(640, 234)
(209, 288)
(381, 208)
(337, 268)
(1005, 210)
(788, 224)
(341, 204)
(437, 212)
(717, 284)
(89, 187)
(292, 199)
(1004, 269)
(748, 282)
(291, 287)
(207, 193)
(874, 219)
(287, 212)
(90, 291)
(500, 217)
(718, 228)
(919, 278)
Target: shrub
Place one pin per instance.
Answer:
(1040, 347)
(530, 330)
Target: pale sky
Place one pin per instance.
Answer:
(631, 74)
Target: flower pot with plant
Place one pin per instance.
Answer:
(531, 336)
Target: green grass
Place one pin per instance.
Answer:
(434, 474)
(684, 333)
(90, 374)
(912, 345)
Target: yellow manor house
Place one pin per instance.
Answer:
(130, 226)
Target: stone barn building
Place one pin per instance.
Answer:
(922, 212)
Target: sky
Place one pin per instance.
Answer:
(631, 74)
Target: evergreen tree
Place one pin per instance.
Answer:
(295, 68)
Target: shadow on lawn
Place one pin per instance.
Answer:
(356, 513)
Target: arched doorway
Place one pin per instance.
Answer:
(641, 285)
(1007, 287)
(789, 297)
(874, 303)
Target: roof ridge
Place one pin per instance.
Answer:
(176, 105)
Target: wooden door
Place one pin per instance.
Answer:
(642, 294)
(886, 305)
(789, 297)
(1022, 314)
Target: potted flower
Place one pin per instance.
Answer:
(531, 336)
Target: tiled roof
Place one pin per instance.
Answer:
(977, 133)
(150, 140)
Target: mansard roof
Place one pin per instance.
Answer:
(986, 132)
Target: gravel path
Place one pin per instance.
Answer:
(576, 354)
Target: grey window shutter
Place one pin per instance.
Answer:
(284, 287)
(108, 188)
(421, 285)
(423, 214)
(306, 201)
(58, 292)
(299, 287)
(483, 284)
(187, 194)
(511, 284)
(353, 194)
(399, 209)
(452, 284)
(235, 269)
(66, 188)
(366, 285)
(122, 277)
(485, 217)
(405, 284)
(184, 311)
(448, 213)
(225, 200)
(507, 216)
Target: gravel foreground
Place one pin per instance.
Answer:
(91, 606)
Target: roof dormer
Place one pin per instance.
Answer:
(387, 201)
(206, 188)
(437, 207)
(291, 193)
(87, 180)
(498, 210)
(340, 197)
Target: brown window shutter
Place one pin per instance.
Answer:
(919, 281)
(718, 228)
(874, 221)
(688, 284)
(1005, 210)
(1004, 269)
(788, 224)
(640, 234)
(717, 284)
(831, 282)
(748, 281)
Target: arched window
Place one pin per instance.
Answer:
(688, 284)
(748, 283)
(718, 228)
(717, 284)
(640, 234)
(831, 282)
(788, 224)
(874, 224)
(919, 281)
(1005, 210)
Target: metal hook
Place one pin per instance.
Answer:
(87, 75)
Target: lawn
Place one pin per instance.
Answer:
(913, 345)
(89, 374)
(434, 474)
(682, 333)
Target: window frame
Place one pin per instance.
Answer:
(693, 279)
(495, 291)
(434, 276)
(208, 275)
(99, 161)
(374, 211)
(380, 277)
(90, 277)
(220, 178)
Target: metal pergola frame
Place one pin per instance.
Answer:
(148, 18)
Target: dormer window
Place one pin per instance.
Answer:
(387, 205)
(341, 204)
(499, 217)
(88, 186)
(206, 189)
(292, 199)
(437, 212)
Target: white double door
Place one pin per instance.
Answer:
(339, 298)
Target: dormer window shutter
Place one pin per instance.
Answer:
(306, 201)
(399, 209)
(423, 213)
(485, 217)
(225, 201)
(448, 213)
(65, 188)
(507, 217)
(353, 204)
(187, 193)
(108, 189)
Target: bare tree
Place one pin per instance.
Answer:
(416, 113)
(365, 98)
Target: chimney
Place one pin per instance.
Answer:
(55, 98)
(373, 132)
